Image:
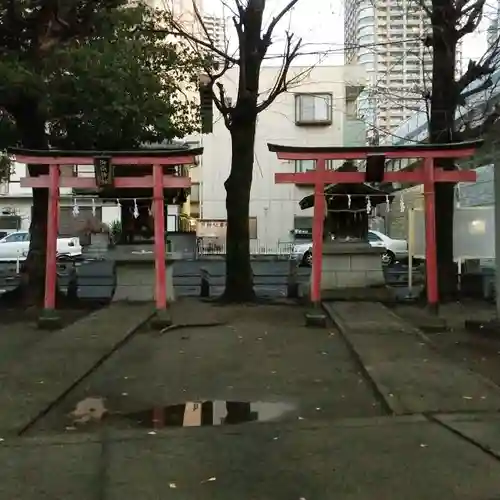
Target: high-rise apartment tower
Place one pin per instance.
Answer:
(385, 37)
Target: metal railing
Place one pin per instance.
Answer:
(214, 247)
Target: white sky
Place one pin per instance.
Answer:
(320, 25)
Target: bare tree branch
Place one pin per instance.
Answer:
(253, 46)
(201, 21)
(281, 83)
(269, 32)
(474, 15)
(486, 125)
(209, 44)
(474, 72)
(424, 7)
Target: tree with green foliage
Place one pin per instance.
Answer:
(87, 74)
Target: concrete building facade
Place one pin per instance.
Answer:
(318, 111)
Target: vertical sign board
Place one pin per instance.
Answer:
(104, 171)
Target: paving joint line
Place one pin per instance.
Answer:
(485, 449)
(128, 336)
(378, 394)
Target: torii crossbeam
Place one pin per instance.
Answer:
(426, 174)
(104, 163)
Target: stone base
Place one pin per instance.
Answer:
(49, 320)
(352, 266)
(136, 282)
(366, 294)
(316, 317)
(161, 319)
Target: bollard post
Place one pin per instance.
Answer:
(293, 284)
(205, 283)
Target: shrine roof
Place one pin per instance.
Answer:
(167, 151)
(375, 150)
(377, 195)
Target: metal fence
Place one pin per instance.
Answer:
(214, 247)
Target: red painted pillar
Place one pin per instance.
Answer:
(52, 229)
(318, 220)
(159, 223)
(430, 233)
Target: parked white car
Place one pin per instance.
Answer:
(394, 249)
(15, 246)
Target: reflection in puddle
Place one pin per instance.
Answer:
(209, 413)
(88, 410)
(191, 414)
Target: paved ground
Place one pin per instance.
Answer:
(409, 374)
(261, 354)
(34, 373)
(336, 440)
(476, 351)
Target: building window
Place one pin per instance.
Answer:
(252, 227)
(313, 109)
(308, 165)
(304, 165)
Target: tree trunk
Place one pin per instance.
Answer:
(441, 127)
(31, 126)
(239, 274)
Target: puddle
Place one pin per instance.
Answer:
(209, 413)
(190, 414)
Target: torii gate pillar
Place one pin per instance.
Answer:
(104, 162)
(427, 174)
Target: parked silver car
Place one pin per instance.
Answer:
(394, 249)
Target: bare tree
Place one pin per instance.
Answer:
(451, 21)
(240, 118)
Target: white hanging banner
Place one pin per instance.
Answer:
(76, 208)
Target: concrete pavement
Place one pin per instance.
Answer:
(337, 442)
(407, 372)
(359, 459)
(34, 379)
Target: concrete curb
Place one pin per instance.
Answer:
(389, 407)
(482, 444)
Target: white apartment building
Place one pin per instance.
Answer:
(17, 201)
(494, 28)
(315, 112)
(183, 12)
(216, 29)
(385, 37)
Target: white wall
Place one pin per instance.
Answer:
(19, 171)
(274, 205)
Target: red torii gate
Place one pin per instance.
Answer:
(425, 174)
(104, 162)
